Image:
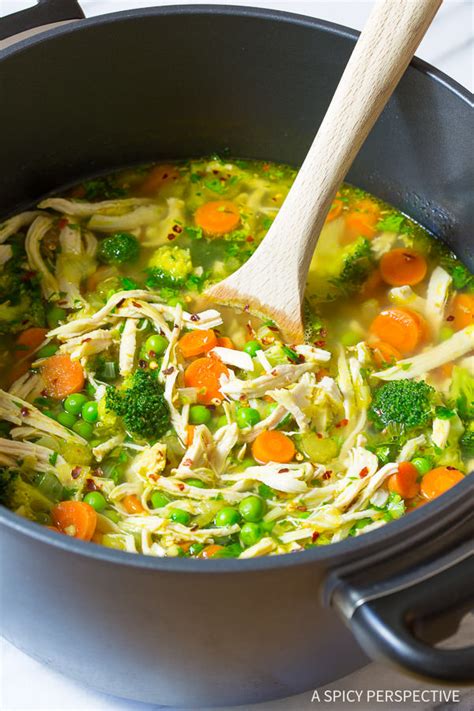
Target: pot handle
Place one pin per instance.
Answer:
(45, 12)
(387, 617)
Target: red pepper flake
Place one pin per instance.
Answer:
(315, 536)
(86, 340)
(319, 435)
(342, 423)
(319, 344)
(274, 373)
(363, 472)
(169, 370)
(327, 475)
(246, 307)
(453, 469)
(63, 222)
(137, 304)
(273, 328)
(283, 471)
(450, 318)
(216, 172)
(120, 303)
(76, 472)
(178, 229)
(98, 472)
(195, 317)
(181, 487)
(194, 528)
(266, 167)
(142, 364)
(27, 276)
(301, 508)
(152, 354)
(249, 239)
(91, 485)
(409, 257)
(171, 236)
(188, 462)
(24, 411)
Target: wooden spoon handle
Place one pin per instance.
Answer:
(380, 57)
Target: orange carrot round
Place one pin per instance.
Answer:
(196, 343)
(204, 374)
(463, 311)
(273, 446)
(439, 480)
(384, 353)
(211, 551)
(400, 328)
(404, 481)
(336, 209)
(218, 217)
(132, 504)
(62, 376)
(157, 177)
(361, 221)
(75, 518)
(225, 342)
(30, 340)
(403, 266)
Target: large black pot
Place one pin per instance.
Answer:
(181, 81)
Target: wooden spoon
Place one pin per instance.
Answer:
(272, 282)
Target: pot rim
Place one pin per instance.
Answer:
(447, 507)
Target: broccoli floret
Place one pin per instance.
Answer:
(404, 403)
(169, 267)
(22, 497)
(462, 392)
(119, 248)
(356, 266)
(467, 440)
(21, 304)
(141, 405)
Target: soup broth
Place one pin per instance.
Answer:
(137, 415)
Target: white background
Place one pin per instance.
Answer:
(26, 685)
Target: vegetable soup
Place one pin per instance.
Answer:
(137, 415)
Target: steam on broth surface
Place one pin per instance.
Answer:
(136, 415)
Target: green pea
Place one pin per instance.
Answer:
(250, 534)
(180, 516)
(96, 500)
(83, 429)
(422, 464)
(227, 516)
(445, 332)
(196, 482)
(349, 338)
(54, 315)
(252, 508)
(222, 421)
(90, 412)
(268, 526)
(112, 515)
(247, 417)
(251, 347)
(199, 415)
(156, 344)
(158, 500)
(66, 419)
(74, 403)
(47, 351)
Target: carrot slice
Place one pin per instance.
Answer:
(361, 221)
(132, 504)
(463, 311)
(76, 518)
(30, 340)
(224, 342)
(196, 343)
(336, 209)
(384, 353)
(218, 217)
(439, 480)
(403, 266)
(273, 446)
(400, 328)
(204, 374)
(404, 481)
(157, 177)
(62, 376)
(190, 429)
(211, 551)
